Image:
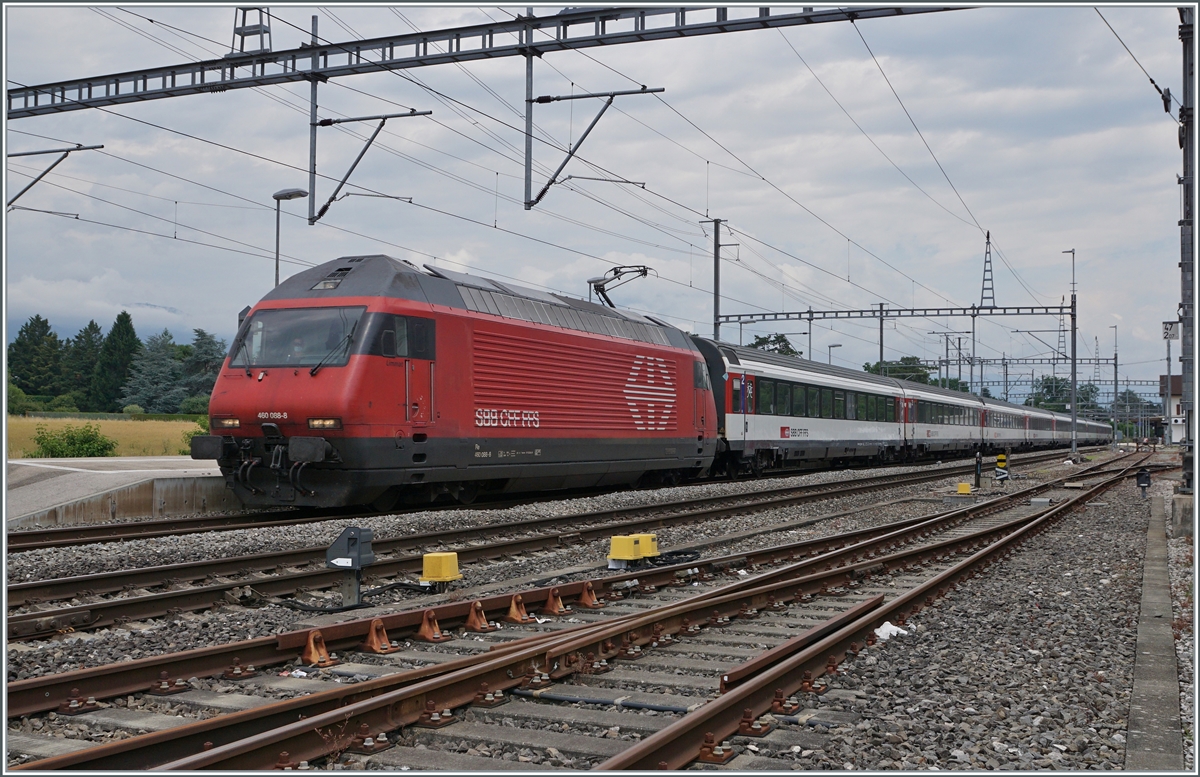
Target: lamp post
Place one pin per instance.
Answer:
(280, 196)
(835, 345)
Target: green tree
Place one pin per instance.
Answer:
(1051, 393)
(35, 358)
(985, 392)
(204, 359)
(775, 344)
(155, 377)
(112, 366)
(908, 368)
(79, 363)
(18, 403)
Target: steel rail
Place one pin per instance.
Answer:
(96, 615)
(679, 744)
(105, 582)
(563, 654)
(34, 539)
(319, 735)
(44, 693)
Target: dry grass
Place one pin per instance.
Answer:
(134, 438)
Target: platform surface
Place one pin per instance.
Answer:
(40, 484)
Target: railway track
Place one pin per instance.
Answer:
(32, 539)
(631, 646)
(246, 579)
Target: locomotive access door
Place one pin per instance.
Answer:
(418, 379)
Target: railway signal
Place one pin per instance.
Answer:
(351, 551)
(1001, 468)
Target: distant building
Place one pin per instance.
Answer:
(1174, 406)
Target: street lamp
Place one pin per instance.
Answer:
(835, 345)
(280, 196)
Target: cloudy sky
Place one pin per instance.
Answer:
(1046, 127)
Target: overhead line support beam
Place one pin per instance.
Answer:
(314, 62)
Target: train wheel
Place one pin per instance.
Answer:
(467, 493)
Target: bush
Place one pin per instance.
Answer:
(197, 405)
(20, 403)
(72, 442)
(201, 428)
(131, 409)
(63, 404)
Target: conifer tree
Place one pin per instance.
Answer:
(201, 366)
(112, 366)
(35, 358)
(79, 362)
(155, 377)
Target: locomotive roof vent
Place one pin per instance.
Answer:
(334, 278)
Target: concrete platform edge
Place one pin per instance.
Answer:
(160, 497)
(1155, 741)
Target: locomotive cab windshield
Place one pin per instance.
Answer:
(297, 337)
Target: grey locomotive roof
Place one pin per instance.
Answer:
(378, 275)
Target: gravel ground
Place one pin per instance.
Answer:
(1028, 667)
(1181, 560)
(195, 630)
(48, 563)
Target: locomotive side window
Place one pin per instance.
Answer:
(297, 337)
(826, 403)
(699, 375)
(798, 400)
(394, 340)
(766, 397)
(814, 402)
(421, 338)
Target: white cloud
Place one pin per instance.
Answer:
(1047, 128)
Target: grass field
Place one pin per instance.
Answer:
(134, 438)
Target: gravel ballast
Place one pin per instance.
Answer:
(1027, 667)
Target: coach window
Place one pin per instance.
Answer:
(839, 404)
(783, 399)
(826, 403)
(850, 395)
(736, 394)
(891, 409)
(766, 397)
(870, 407)
(798, 400)
(814, 402)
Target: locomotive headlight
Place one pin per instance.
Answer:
(226, 423)
(324, 423)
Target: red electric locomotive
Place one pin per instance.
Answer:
(367, 381)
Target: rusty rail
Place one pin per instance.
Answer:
(553, 656)
(105, 613)
(682, 742)
(45, 693)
